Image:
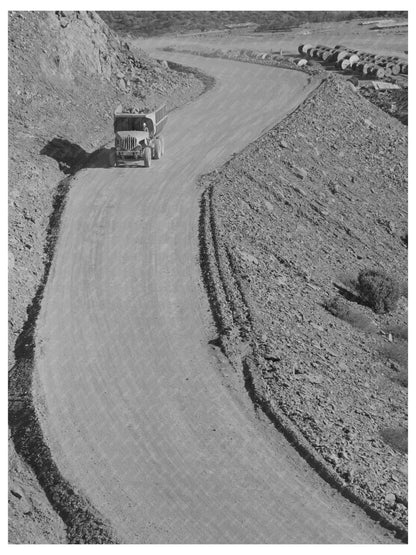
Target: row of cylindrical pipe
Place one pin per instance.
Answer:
(363, 62)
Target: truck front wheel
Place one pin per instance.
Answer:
(112, 158)
(158, 149)
(147, 156)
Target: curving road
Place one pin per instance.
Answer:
(141, 413)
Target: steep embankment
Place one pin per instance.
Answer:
(67, 72)
(286, 226)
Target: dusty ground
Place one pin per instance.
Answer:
(55, 70)
(297, 215)
(62, 90)
(175, 451)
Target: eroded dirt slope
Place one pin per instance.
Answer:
(296, 216)
(67, 72)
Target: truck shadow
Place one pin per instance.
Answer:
(69, 156)
(72, 157)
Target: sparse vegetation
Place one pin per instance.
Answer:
(398, 353)
(402, 378)
(341, 310)
(398, 331)
(379, 291)
(395, 103)
(396, 438)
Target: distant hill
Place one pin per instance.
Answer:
(148, 23)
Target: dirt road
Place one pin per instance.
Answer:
(141, 412)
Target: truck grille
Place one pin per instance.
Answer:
(129, 143)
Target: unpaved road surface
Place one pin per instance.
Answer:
(141, 412)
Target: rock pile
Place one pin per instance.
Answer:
(297, 215)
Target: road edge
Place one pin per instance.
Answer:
(84, 524)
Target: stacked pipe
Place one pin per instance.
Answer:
(347, 59)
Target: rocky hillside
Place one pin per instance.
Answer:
(67, 72)
(286, 227)
(148, 23)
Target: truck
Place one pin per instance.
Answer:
(138, 136)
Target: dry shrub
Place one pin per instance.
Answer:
(377, 290)
(396, 438)
(396, 352)
(341, 310)
(402, 377)
(397, 330)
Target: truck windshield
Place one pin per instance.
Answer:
(128, 124)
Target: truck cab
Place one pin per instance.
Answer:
(138, 136)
